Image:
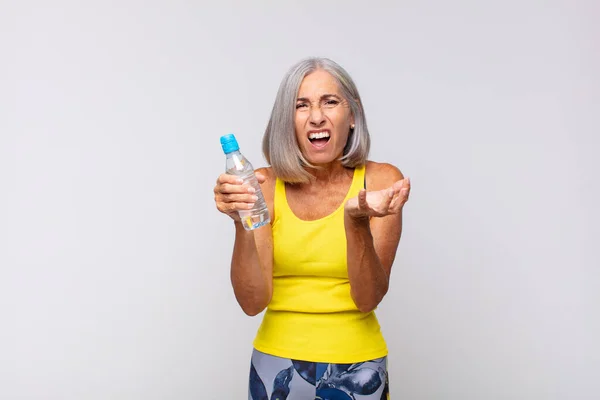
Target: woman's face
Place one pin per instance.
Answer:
(323, 118)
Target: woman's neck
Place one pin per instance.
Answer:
(329, 173)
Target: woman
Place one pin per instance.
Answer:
(323, 264)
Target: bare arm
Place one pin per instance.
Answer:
(252, 259)
(251, 268)
(373, 224)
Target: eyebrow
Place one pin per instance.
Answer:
(321, 98)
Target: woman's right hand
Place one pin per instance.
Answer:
(231, 195)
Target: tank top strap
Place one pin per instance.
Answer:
(358, 181)
(279, 200)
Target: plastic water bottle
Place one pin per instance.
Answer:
(237, 164)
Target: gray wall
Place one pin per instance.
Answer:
(114, 278)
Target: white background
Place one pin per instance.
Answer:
(114, 279)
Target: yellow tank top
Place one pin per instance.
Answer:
(312, 316)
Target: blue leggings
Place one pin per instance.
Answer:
(276, 378)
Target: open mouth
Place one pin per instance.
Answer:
(319, 138)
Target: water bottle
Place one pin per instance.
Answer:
(237, 164)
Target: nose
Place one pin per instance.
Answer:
(316, 116)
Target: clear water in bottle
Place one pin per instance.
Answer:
(259, 214)
(237, 164)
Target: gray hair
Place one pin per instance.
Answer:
(280, 146)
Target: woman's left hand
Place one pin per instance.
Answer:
(379, 203)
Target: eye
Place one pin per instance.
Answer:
(331, 103)
(300, 105)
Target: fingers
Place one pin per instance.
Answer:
(228, 178)
(402, 183)
(403, 191)
(232, 203)
(233, 208)
(362, 200)
(239, 198)
(387, 199)
(228, 184)
(237, 188)
(231, 195)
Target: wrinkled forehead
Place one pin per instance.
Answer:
(319, 83)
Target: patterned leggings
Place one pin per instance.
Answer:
(276, 378)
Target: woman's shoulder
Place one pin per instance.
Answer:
(381, 175)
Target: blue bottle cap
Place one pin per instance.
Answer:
(229, 143)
